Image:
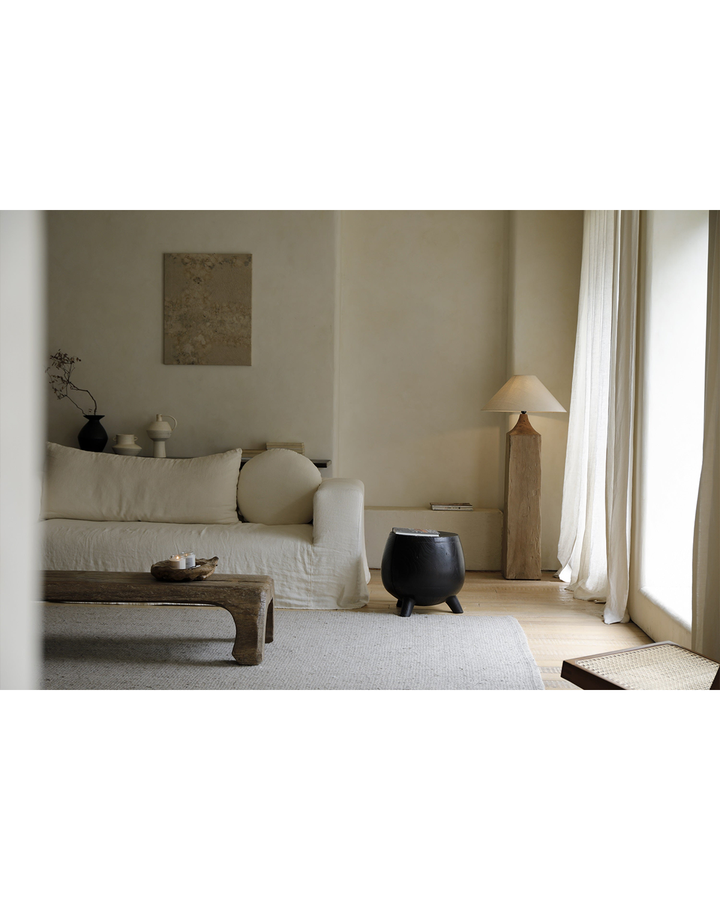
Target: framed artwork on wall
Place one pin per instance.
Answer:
(208, 309)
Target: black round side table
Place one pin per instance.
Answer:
(423, 570)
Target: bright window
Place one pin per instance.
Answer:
(670, 405)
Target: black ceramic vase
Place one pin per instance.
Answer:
(92, 435)
(423, 570)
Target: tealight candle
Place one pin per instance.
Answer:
(177, 561)
(189, 557)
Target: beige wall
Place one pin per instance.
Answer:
(377, 339)
(422, 320)
(546, 253)
(437, 310)
(105, 293)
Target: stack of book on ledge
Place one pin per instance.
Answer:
(451, 506)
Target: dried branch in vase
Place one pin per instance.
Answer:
(60, 371)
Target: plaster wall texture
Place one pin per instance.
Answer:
(544, 285)
(422, 318)
(105, 280)
(378, 336)
(437, 310)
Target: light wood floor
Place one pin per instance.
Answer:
(557, 626)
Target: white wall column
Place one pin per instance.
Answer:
(22, 313)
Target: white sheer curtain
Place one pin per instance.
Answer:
(706, 556)
(594, 546)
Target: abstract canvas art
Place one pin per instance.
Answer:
(208, 309)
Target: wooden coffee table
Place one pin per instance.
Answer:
(248, 599)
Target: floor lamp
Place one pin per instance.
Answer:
(521, 525)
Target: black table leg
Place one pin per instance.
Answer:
(454, 604)
(407, 607)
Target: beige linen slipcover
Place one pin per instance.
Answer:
(320, 565)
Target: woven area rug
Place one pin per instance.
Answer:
(91, 647)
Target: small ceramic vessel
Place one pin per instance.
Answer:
(158, 432)
(125, 445)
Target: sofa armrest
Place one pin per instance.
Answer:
(339, 517)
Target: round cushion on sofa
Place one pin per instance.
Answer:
(277, 487)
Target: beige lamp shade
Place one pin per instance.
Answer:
(524, 393)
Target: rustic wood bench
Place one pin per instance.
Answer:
(248, 599)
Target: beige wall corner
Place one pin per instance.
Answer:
(545, 261)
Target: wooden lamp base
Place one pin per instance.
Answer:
(521, 526)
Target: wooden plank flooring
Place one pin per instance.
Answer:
(557, 626)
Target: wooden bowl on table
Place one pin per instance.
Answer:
(165, 571)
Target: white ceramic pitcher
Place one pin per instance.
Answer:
(158, 432)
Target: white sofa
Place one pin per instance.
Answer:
(276, 516)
